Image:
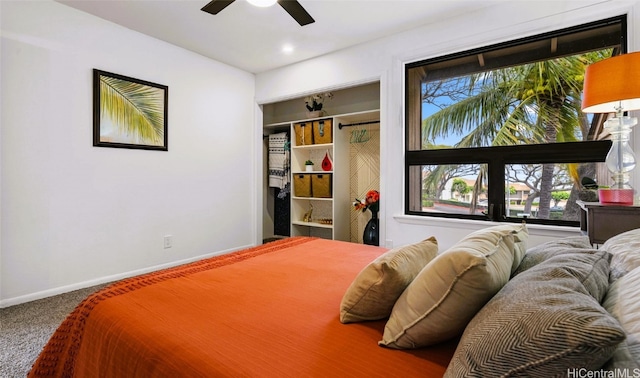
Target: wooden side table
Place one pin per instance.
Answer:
(600, 222)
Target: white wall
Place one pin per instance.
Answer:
(384, 59)
(75, 215)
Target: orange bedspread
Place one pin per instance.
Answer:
(268, 311)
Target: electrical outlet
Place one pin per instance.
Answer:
(168, 241)
(388, 243)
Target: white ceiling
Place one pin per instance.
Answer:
(251, 38)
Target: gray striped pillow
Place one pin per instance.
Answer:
(622, 302)
(545, 322)
(541, 252)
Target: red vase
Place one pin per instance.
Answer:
(327, 164)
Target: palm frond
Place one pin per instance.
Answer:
(530, 103)
(136, 110)
(476, 115)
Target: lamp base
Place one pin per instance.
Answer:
(616, 196)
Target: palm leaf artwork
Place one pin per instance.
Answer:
(131, 113)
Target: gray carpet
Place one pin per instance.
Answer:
(26, 328)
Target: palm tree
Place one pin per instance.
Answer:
(136, 110)
(527, 104)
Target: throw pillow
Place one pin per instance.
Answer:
(448, 292)
(536, 255)
(543, 323)
(625, 249)
(376, 288)
(622, 302)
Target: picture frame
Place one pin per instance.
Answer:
(129, 112)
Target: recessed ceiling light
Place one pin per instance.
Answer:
(287, 48)
(262, 3)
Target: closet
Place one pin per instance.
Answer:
(343, 143)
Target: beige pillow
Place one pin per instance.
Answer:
(377, 287)
(454, 286)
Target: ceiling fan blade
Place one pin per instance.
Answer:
(216, 6)
(296, 11)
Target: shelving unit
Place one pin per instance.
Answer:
(330, 215)
(303, 148)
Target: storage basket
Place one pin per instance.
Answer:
(321, 185)
(302, 185)
(322, 131)
(304, 133)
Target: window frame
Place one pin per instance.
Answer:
(496, 158)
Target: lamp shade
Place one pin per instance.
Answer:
(612, 83)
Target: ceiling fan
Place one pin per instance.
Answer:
(292, 7)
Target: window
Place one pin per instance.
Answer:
(497, 133)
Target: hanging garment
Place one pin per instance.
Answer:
(279, 160)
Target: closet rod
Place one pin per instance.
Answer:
(340, 125)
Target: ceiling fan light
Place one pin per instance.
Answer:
(262, 3)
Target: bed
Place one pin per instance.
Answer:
(270, 311)
(309, 307)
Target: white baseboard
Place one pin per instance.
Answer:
(106, 279)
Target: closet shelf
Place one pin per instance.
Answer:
(313, 198)
(311, 172)
(312, 224)
(321, 146)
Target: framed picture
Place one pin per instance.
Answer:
(129, 113)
